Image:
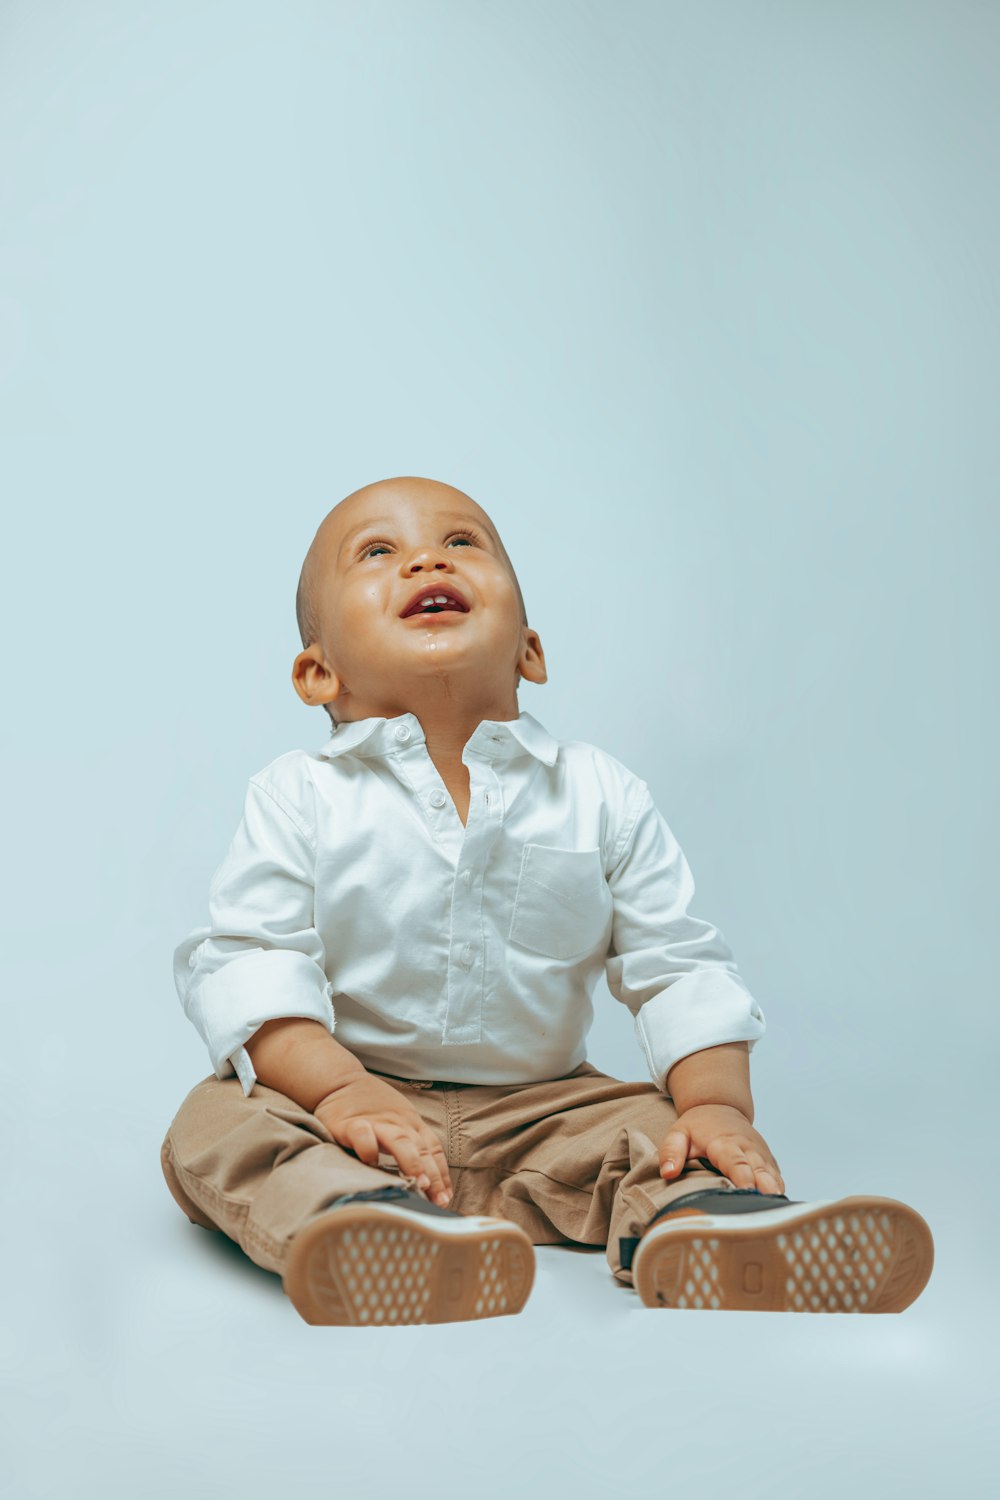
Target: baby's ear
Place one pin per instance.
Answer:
(315, 682)
(531, 663)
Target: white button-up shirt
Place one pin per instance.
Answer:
(352, 894)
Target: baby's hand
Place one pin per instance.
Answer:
(725, 1136)
(366, 1115)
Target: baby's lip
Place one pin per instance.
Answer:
(448, 589)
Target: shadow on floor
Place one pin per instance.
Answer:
(217, 1248)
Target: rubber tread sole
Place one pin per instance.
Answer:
(379, 1264)
(856, 1254)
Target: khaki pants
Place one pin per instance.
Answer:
(571, 1160)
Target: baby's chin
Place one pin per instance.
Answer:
(459, 642)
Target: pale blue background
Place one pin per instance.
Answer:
(700, 302)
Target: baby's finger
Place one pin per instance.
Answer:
(360, 1138)
(767, 1178)
(735, 1166)
(674, 1151)
(394, 1141)
(429, 1179)
(415, 1159)
(441, 1163)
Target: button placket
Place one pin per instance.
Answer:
(415, 767)
(466, 975)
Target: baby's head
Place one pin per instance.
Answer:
(367, 649)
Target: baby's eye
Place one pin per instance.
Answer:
(373, 548)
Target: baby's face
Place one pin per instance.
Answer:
(377, 556)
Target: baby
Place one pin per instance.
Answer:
(395, 987)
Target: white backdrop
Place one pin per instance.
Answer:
(698, 297)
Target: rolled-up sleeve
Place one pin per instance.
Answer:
(674, 972)
(260, 957)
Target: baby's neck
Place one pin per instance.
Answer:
(446, 740)
(448, 735)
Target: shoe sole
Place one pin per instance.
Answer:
(858, 1254)
(380, 1264)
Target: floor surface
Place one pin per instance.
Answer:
(144, 1356)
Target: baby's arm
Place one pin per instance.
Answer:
(675, 972)
(711, 1092)
(254, 983)
(695, 1017)
(301, 1059)
(364, 1114)
(714, 1075)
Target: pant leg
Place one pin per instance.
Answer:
(571, 1159)
(259, 1167)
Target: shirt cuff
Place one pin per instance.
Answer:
(240, 1064)
(702, 1009)
(235, 1001)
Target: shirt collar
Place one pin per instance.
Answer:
(492, 738)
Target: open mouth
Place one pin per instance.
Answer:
(442, 599)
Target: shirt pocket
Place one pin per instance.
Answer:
(562, 901)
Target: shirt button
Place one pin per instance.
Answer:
(401, 732)
(467, 878)
(438, 799)
(467, 955)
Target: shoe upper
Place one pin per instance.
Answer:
(713, 1200)
(403, 1196)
